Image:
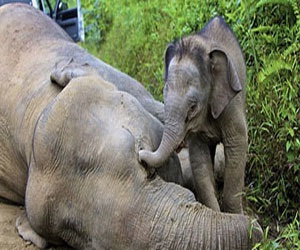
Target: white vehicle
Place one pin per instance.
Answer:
(67, 13)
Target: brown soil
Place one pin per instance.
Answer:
(9, 238)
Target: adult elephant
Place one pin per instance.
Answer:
(204, 98)
(72, 153)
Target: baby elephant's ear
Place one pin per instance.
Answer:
(225, 81)
(169, 54)
(64, 74)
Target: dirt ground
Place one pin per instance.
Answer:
(9, 238)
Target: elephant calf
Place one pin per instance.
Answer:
(69, 152)
(204, 98)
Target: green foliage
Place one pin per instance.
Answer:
(289, 238)
(97, 22)
(273, 108)
(132, 36)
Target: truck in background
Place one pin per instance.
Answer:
(67, 13)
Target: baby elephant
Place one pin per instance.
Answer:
(204, 98)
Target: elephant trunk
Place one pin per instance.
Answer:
(173, 135)
(177, 221)
(169, 143)
(226, 231)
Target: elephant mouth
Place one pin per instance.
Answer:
(180, 147)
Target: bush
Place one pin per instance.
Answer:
(273, 107)
(97, 22)
(269, 33)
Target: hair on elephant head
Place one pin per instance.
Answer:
(204, 94)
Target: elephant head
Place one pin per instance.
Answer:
(202, 75)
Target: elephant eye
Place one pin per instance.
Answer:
(193, 107)
(191, 112)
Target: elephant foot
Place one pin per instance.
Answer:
(205, 192)
(233, 206)
(233, 210)
(27, 233)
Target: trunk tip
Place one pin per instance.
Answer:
(148, 159)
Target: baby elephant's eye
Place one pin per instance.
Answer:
(191, 112)
(193, 107)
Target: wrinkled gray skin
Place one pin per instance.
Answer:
(78, 63)
(78, 147)
(204, 99)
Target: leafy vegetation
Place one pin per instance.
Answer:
(132, 36)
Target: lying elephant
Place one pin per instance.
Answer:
(204, 98)
(25, 78)
(72, 152)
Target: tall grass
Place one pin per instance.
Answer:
(132, 35)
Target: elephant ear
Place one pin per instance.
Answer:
(169, 54)
(225, 81)
(63, 74)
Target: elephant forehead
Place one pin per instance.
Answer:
(182, 75)
(195, 47)
(184, 65)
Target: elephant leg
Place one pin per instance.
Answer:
(27, 233)
(235, 161)
(202, 168)
(235, 151)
